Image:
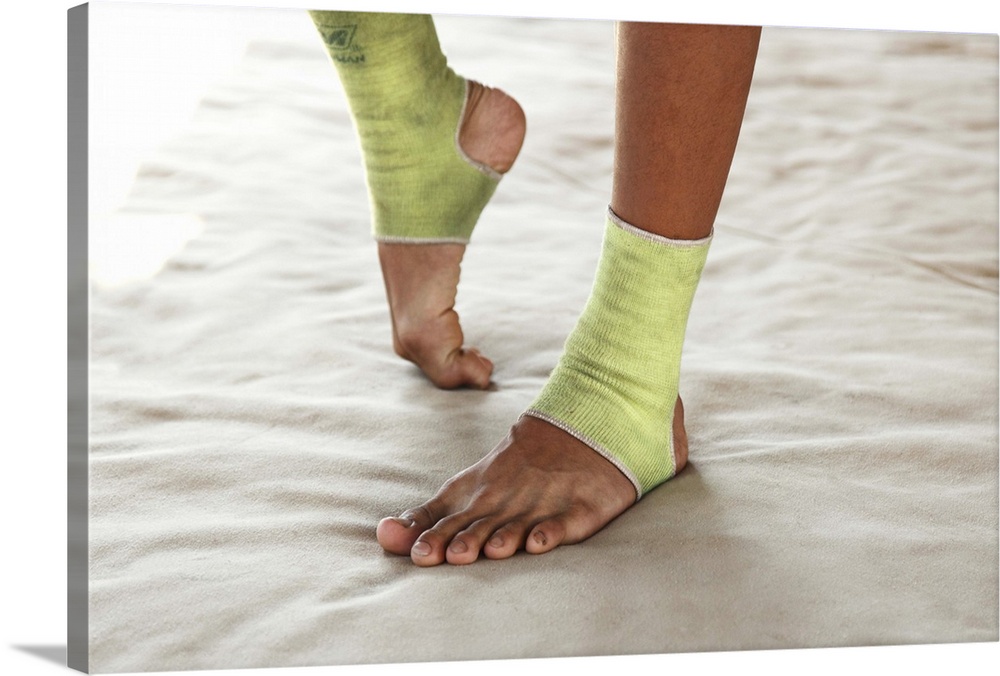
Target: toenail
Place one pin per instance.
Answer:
(402, 521)
(459, 547)
(496, 541)
(421, 549)
(540, 538)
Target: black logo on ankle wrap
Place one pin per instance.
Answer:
(340, 40)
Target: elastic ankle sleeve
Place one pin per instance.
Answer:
(407, 105)
(616, 384)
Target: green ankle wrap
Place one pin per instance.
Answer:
(407, 106)
(615, 385)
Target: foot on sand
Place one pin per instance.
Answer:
(538, 489)
(421, 280)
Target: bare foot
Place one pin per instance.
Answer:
(538, 489)
(421, 280)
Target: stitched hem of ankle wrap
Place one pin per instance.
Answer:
(478, 166)
(594, 446)
(658, 239)
(390, 239)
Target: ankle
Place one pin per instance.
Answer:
(616, 385)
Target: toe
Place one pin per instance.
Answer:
(466, 367)
(546, 536)
(429, 549)
(505, 541)
(465, 547)
(479, 369)
(397, 534)
(431, 546)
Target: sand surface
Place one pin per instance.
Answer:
(250, 423)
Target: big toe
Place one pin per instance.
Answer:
(397, 535)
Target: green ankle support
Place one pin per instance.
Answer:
(407, 105)
(615, 386)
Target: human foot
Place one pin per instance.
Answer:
(538, 489)
(421, 280)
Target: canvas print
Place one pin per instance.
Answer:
(433, 338)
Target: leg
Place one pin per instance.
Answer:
(681, 96)
(435, 146)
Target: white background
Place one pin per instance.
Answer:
(33, 331)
